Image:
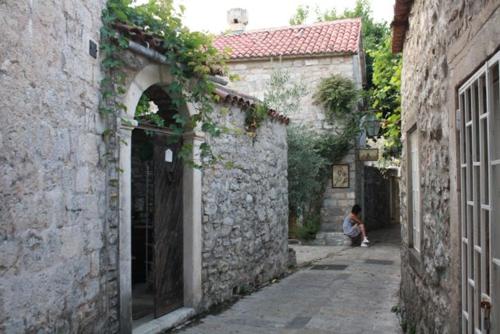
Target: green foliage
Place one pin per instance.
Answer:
(334, 146)
(374, 33)
(254, 118)
(305, 164)
(300, 16)
(309, 228)
(337, 95)
(143, 111)
(282, 93)
(190, 55)
(385, 96)
(383, 69)
(310, 156)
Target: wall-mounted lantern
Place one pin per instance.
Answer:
(370, 124)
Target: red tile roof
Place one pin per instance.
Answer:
(341, 36)
(244, 102)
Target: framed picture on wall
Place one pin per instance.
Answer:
(340, 176)
(368, 154)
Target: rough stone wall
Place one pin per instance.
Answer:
(253, 76)
(52, 177)
(338, 202)
(245, 221)
(445, 42)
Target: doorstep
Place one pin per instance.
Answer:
(166, 322)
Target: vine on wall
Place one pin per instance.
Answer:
(191, 58)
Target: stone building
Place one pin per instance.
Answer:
(450, 197)
(308, 53)
(96, 231)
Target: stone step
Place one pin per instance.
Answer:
(332, 239)
(166, 322)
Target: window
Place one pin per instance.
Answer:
(479, 126)
(414, 191)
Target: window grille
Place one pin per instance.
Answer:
(479, 122)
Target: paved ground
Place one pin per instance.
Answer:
(307, 254)
(349, 292)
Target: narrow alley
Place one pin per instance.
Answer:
(350, 291)
(202, 167)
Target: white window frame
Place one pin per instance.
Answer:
(478, 202)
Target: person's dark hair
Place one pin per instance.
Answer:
(356, 209)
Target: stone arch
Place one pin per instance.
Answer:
(140, 81)
(149, 75)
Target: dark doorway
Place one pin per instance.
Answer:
(157, 265)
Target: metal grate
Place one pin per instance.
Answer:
(329, 267)
(479, 105)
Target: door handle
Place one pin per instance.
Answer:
(486, 306)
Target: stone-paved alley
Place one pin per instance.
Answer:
(350, 291)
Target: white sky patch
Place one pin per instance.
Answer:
(210, 15)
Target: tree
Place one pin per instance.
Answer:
(283, 93)
(383, 69)
(385, 96)
(300, 16)
(374, 33)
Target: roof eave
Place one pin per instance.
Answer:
(302, 56)
(400, 24)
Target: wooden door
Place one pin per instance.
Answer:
(168, 228)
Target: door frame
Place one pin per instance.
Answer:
(191, 193)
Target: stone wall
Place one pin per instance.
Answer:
(58, 198)
(338, 202)
(245, 220)
(253, 76)
(445, 43)
(52, 177)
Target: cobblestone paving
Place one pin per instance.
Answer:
(351, 291)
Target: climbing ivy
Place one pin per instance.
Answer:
(338, 97)
(385, 96)
(254, 117)
(144, 111)
(190, 55)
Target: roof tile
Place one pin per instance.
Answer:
(341, 36)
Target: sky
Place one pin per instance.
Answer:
(210, 15)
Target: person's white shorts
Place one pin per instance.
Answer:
(354, 231)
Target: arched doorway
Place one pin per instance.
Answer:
(156, 212)
(153, 75)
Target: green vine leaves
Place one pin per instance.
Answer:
(191, 58)
(338, 96)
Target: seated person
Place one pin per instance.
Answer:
(354, 227)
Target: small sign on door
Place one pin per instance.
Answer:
(169, 155)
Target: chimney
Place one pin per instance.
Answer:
(237, 19)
